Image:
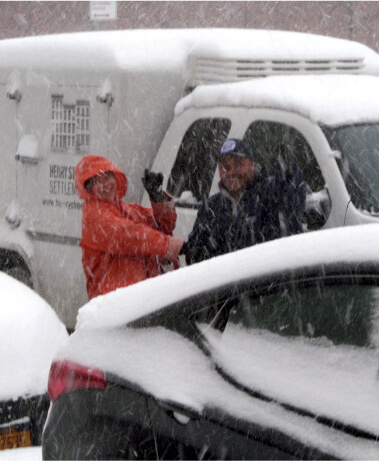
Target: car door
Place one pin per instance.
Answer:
(188, 158)
(202, 407)
(180, 433)
(308, 344)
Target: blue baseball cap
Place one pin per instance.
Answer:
(236, 147)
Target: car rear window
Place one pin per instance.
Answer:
(341, 313)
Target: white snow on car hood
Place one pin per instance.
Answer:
(30, 333)
(171, 368)
(339, 382)
(314, 96)
(356, 243)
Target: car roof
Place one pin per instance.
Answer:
(350, 246)
(313, 96)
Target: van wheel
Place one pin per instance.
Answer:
(21, 274)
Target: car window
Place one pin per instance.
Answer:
(339, 312)
(192, 174)
(271, 139)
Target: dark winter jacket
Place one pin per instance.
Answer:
(268, 209)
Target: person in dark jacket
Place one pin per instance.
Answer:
(249, 208)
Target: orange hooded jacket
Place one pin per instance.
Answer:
(121, 242)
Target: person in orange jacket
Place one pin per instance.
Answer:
(122, 243)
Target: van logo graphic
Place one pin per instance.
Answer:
(70, 125)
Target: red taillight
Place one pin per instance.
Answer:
(68, 376)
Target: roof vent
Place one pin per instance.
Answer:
(208, 71)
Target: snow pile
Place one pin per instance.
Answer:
(31, 334)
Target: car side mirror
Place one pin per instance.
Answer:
(317, 209)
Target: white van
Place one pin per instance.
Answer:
(115, 93)
(322, 104)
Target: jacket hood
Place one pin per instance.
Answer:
(92, 165)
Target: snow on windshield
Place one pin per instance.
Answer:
(30, 335)
(356, 243)
(314, 96)
(171, 368)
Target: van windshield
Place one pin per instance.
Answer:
(359, 163)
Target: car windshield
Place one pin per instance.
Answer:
(359, 163)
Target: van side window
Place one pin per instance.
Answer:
(267, 140)
(192, 174)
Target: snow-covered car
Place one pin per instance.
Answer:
(31, 334)
(268, 352)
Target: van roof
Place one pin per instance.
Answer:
(325, 99)
(144, 49)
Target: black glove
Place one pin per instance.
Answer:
(152, 182)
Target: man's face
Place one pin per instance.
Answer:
(235, 172)
(104, 186)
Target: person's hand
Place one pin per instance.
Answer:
(152, 183)
(173, 250)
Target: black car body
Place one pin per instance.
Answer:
(267, 353)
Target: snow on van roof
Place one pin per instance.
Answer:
(325, 99)
(144, 49)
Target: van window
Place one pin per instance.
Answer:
(359, 162)
(70, 125)
(192, 174)
(268, 140)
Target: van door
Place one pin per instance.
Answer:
(58, 125)
(188, 157)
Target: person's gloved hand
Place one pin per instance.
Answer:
(174, 246)
(152, 183)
